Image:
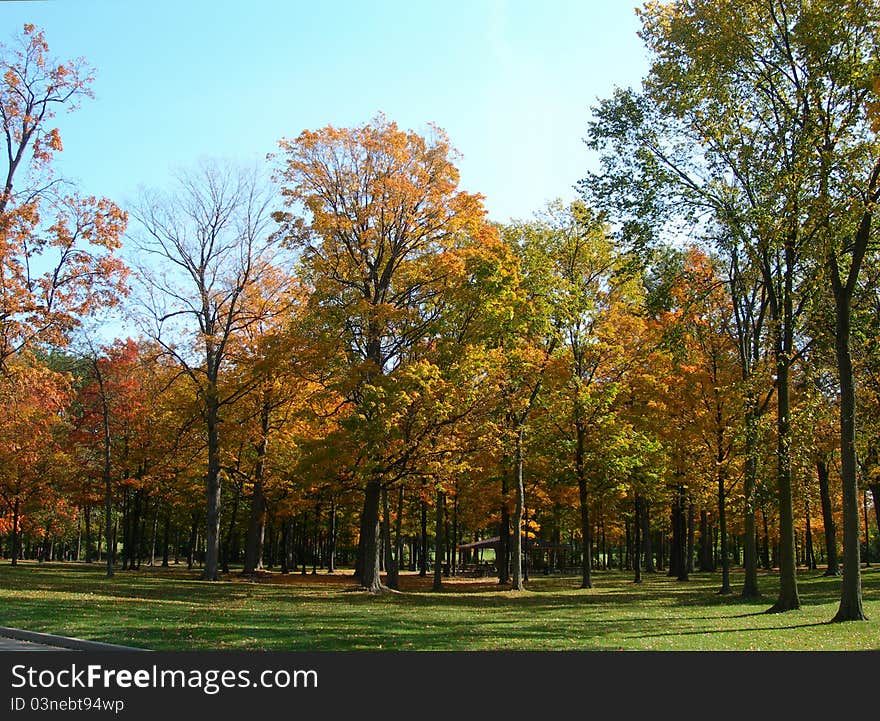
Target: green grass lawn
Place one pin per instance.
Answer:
(170, 609)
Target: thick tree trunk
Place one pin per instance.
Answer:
(850, 608)
(370, 578)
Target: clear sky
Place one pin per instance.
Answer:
(512, 82)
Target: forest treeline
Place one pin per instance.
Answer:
(338, 359)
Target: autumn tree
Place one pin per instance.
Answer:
(385, 217)
(56, 246)
(34, 401)
(785, 115)
(205, 245)
(588, 296)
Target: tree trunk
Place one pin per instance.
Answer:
(681, 559)
(253, 553)
(454, 540)
(398, 537)
(875, 494)
(690, 534)
(705, 542)
(212, 490)
(750, 583)
(586, 560)
(850, 608)
(153, 536)
(788, 599)
(502, 559)
(423, 546)
(438, 542)
(16, 534)
(230, 531)
(193, 540)
(637, 543)
(832, 565)
(519, 488)
(390, 561)
(645, 520)
(166, 532)
(331, 538)
(87, 520)
(370, 578)
(722, 522)
(811, 555)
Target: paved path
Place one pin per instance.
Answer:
(14, 644)
(16, 639)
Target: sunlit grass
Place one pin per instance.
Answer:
(170, 609)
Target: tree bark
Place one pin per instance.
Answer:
(690, 534)
(811, 555)
(390, 561)
(438, 542)
(722, 523)
(682, 536)
(502, 559)
(212, 489)
(253, 553)
(788, 599)
(586, 560)
(850, 608)
(637, 541)
(166, 532)
(331, 538)
(370, 578)
(645, 520)
(423, 545)
(750, 582)
(518, 584)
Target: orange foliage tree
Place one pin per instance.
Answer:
(386, 225)
(57, 260)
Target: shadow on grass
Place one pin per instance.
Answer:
(750, 629)
(173, 609)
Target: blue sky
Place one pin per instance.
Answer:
(511, 82)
